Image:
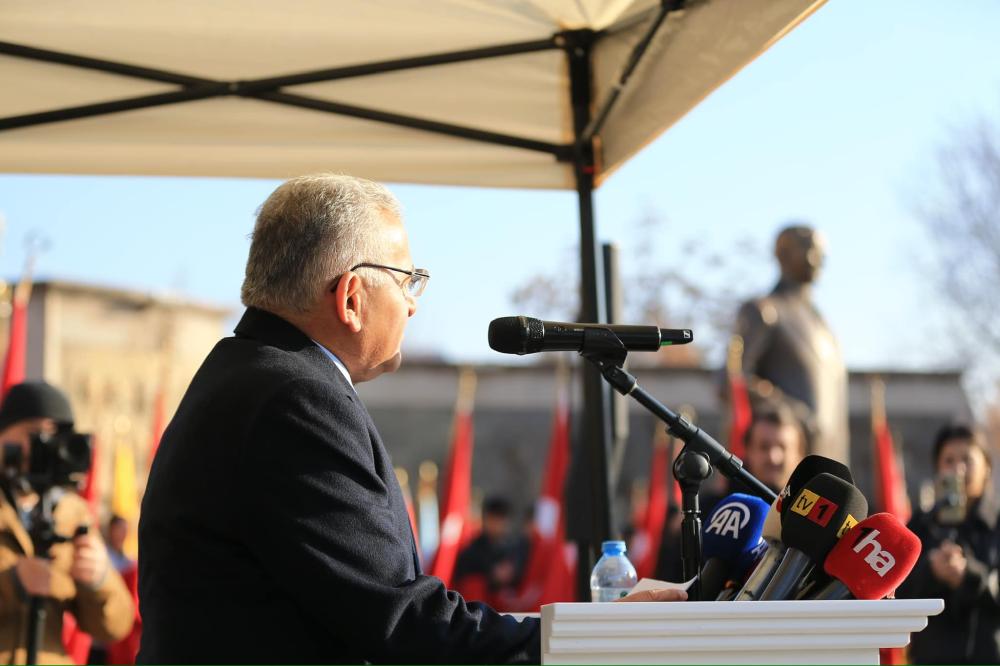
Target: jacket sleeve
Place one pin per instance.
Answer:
(755, 325)
(921, 582)
(319, 520)
(106, 612)
(979, 586)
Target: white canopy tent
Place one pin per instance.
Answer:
(232, 88)
(502, 93)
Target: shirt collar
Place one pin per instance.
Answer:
(337, 362)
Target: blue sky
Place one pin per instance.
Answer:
(838, 125)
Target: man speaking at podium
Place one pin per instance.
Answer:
(273, 528)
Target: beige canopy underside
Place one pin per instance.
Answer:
(525, 95)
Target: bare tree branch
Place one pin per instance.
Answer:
(963, 218)
(703, 294)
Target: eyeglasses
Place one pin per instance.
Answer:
(413, 284)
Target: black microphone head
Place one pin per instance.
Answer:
(821, 513)
(810, 467)
(515, 335)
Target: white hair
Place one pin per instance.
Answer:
(310, 230)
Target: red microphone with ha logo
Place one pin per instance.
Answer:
(871, 560)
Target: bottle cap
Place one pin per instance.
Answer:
(613, 547)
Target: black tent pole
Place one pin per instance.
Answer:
(595, 421)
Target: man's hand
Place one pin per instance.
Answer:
(90, 560)
(35, 575)
(503, 573)
(948, 564)
(656, 595)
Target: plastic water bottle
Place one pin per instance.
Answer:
(614, 576)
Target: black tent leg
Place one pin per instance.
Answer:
(595, 421)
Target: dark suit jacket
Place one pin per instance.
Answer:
(273, 528)
(968, 631)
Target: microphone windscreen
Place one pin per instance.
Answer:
(809, 468)
(511, 335)
(733, 527)
(821, 513)
(874, 557)
(748, 560)
(772, 523)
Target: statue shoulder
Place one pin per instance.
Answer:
(758, 312)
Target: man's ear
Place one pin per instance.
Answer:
(349, 301)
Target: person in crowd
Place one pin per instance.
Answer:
(490, 566)
(118, 529)
(775, 443)
(123, 651)
(790, 353)
(77, 576)
(273, 528)
(960, 556)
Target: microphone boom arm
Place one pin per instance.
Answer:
(608, 353)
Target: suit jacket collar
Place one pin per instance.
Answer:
(271, 329)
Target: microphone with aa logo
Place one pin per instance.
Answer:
(820, 514)
(732, 529)
(742, 568)
(871, 560)
(809, 468)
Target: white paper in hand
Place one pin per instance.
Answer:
(653, 584)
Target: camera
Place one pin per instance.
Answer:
(55, 459)
(952, 503)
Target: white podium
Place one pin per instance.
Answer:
(747, 632)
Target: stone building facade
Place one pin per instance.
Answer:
(112, 350)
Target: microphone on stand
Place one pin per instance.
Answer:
(741, 570)
(820, 514)
(732, 529)
(810, 467)
(527, 335)
(871, 560)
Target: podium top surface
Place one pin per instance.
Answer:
(712, 632)
(743, 609)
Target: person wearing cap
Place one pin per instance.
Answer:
(78, 576)
(960, 559)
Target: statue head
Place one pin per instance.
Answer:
(800, 251)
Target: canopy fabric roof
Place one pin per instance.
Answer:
(234, 129)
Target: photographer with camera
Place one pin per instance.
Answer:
(960, 556)
(50, 561)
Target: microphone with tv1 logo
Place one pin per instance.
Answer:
(821, 513)
(810, 467)
(871, 560)
(732, 529)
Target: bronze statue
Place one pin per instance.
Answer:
(790, 354)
